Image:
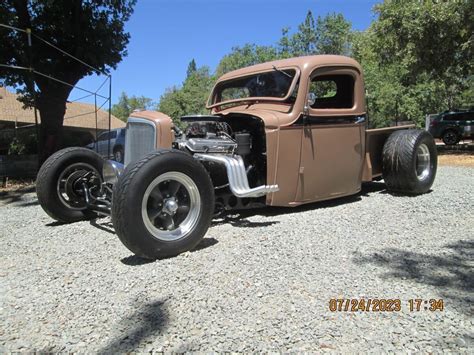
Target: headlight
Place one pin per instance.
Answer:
(111, 171)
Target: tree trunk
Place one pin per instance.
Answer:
(52, 107)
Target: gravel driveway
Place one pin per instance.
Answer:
(260, 280)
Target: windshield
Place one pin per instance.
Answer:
(273, 84)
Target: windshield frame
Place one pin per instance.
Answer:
(295, 78)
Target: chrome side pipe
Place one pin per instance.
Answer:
(238, 181)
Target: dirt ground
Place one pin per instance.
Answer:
(457, 159)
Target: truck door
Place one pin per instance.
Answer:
(333, 140)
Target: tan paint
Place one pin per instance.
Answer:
(164, 125)
(309, 162)
(299, 164)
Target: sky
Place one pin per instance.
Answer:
(167, 34)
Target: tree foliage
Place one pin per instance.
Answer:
(92, 31)
(417, 59)
(189, 98)
(126, 105)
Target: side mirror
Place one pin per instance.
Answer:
(310, 100)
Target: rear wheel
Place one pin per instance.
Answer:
(62, 182)
(450, 137)
(163, 204)
(410, 161)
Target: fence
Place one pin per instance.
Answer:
(17, 165)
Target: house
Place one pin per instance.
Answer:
(80, 125)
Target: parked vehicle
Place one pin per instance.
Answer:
(117, 144)
(283, 133)
(452, 126)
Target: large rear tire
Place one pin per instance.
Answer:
(410, 161)
(60, 183)
(163, 204)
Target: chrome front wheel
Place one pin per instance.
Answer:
(162, 205)
(171, 206)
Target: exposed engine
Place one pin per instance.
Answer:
(208, 134)
(233, 150)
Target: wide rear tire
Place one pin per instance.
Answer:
(410, 161)
(65, 201)
(163, 204)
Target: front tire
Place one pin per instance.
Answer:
(60, 183)
(410, 161)
(163, 204)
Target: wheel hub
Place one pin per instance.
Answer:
(71, 182)
(170, 206)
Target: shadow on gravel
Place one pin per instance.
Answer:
(16, 196)
(134, 260)
(103, 224)
(450, 271)
(143, 325)
(238, 218)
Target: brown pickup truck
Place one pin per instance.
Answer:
(283, 133)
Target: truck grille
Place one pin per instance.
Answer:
(140, 139)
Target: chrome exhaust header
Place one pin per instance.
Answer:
(238, 181)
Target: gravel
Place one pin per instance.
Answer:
(260, 280)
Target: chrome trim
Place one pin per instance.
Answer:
(238, 182)
(166, 207)
(423, 166)
(111, 171)
(128, 154)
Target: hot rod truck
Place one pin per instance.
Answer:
(282, 133)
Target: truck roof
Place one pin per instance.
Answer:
(300, 62)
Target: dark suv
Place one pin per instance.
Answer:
(451, 126)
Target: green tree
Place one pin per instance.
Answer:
(188, 99)
(333, 35)
(126, 105)
(303, 41)
(330, 34)
(432, 41)
(92, 31)
(191, 68)
(244, 56)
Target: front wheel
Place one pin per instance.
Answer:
(410, 161)
(163, 204)
(66, 181)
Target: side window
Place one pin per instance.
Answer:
(122, 133)
(469, 116)
(113, 134)
(333, 91)
(452, 118)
